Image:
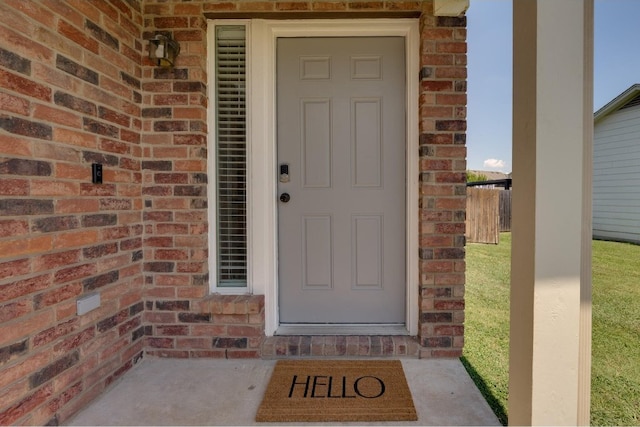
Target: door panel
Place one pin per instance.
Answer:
(341, 133)
(366, 251)
(316, 143)
(317, 267)
(366, 152)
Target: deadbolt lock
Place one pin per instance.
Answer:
(284, 173)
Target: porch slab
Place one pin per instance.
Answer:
(228, 392)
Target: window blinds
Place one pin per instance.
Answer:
(231, 155)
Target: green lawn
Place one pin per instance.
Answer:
(615, 391)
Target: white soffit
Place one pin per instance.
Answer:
(450, 7)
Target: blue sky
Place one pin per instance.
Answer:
(489, 23)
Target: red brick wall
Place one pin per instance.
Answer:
(443, 100)
(76, 88)
(174, 184)
(175, 188)
(70, 91)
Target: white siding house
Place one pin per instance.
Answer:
(616, 168)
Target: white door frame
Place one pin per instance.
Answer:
(263, 220)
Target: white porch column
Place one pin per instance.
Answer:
(549, 381)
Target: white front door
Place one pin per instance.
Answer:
(341, 141)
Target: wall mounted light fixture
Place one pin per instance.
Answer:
(163, 50)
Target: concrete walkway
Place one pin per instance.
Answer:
(228, 392)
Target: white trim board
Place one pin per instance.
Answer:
(262, 186)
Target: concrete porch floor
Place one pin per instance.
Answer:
(228, 392)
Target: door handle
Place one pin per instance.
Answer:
(285, 197)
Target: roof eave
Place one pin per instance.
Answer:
(616, 102)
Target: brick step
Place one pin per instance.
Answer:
(337, 346)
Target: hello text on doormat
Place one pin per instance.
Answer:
(337, 390)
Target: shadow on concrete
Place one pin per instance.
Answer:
(486, 391)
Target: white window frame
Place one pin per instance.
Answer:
(212, 188)
(262, 209)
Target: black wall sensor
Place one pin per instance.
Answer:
(96, 173)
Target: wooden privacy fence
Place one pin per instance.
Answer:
(488, 213)
(505, 210)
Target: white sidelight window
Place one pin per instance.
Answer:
(230, 119)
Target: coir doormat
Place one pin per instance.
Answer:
(337, 390)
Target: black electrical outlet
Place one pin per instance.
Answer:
(96, 173)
